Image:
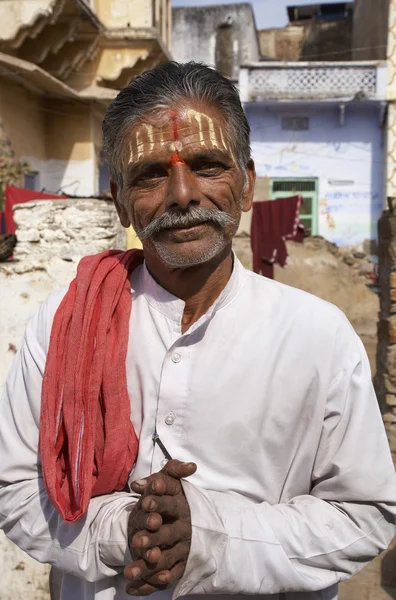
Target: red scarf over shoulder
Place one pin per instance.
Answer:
(87, 442)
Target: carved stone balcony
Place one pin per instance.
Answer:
(320, 81)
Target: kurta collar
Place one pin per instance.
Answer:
(172, 307)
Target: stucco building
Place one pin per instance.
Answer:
(223, 36)
(314, 32)
(318, 130)
(61, 62)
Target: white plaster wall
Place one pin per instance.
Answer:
(76, 177)
(335, 154)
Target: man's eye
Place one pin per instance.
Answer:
(151, 176)
(208, 169)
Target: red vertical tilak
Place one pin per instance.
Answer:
(175, 158)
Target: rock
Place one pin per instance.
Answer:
(7, 245)
(349, 260)
(28, 235)
(392, 330)
(390, 400)
(359, 255)
(365, 269)
(389, 418)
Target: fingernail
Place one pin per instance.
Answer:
(145, 541)
(132, 592)
(135, 572)
(151, 521)
(162, 578)
(141, 482)
(152, 505)
(188, 464)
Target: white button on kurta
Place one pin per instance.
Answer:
(270, 394)
(169, 419)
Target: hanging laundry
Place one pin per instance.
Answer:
(274, 222)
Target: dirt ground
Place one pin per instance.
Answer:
(341, 278)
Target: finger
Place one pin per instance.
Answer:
(167, 535)
(173, 468)
(168, 577)
(145, 520)
(159, 484)
(139, 570)
(153, 555)
(179, 470)
(164, 484)
(145, 589)
(174, 507)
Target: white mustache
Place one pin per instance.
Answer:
(193, 216)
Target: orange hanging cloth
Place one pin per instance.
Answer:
(87, 441)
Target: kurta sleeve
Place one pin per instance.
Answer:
(313, 541)
(93, 548)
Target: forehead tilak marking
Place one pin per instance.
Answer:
(145, 142)
(176, 145)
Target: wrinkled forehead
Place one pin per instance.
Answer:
(175, 131)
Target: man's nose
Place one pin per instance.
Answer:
(182, 189)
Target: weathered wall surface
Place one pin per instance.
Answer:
(23, 118)
(391, 96)
(117, 13)
(282, 44)
(54, 139)
(53, 236)
(385, 380)
(314, 40)
(196, 34)
(346, 159)
(370, 29)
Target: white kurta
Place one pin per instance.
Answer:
(270, 394)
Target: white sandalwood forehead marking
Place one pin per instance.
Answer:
(176, 146)
(149, 138)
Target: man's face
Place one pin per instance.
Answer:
(183, 191)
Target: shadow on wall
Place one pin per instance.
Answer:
(68, 137)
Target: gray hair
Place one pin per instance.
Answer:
(164, 87)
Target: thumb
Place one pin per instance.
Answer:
(178, 470)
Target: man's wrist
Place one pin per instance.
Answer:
(114, 552)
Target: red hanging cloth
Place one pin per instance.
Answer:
(274, 222)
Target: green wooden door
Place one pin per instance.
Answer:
(308, 189)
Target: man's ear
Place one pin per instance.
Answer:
(248, 191)
(121, 210)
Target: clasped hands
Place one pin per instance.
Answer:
(159, 530)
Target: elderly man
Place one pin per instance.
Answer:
(181, 422)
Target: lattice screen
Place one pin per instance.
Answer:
(312, 82)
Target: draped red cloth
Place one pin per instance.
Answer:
(15, 195)
(274, 222)
(87, 441)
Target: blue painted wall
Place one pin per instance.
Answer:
(347, 160)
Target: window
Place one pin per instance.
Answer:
(295, 123)
(308, 189)
(31, 181)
